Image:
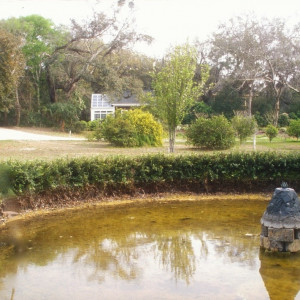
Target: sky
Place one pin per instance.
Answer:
(169, 22)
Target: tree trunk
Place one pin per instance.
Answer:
(5, 118)
(18, 109)
(277, 109)
(51, 86)
(172, 136)
(250, 100)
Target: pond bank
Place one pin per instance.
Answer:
(59, 207)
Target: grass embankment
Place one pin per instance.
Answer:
(50, 150)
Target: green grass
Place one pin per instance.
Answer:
(49, 150)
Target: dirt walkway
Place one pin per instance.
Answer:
(18, 135)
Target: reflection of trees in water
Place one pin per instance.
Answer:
(281, 274)
(111, 244)
(110, 257)
(176, 254)
(237, 249)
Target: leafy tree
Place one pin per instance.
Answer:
(259, 54)
(64, 113)
(271, 132)
(294, 128)
(174, 88)
(85, 50)
(244, 126)
(11, 69)
(236, 51)
(38, 35)
(212, 133)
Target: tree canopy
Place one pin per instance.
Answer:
(175, 89)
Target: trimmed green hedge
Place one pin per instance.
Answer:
(219, 169)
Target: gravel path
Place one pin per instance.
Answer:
(17, 135)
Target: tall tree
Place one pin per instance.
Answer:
(258, 54)
(236, 51)
(88, 45)
(11, 69)
(175, 89)
(37, 37)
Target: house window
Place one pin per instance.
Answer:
(99, 100)
(101, 114)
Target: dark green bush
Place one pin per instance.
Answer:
(261, 120)
(283, 120)
(79, 126)
(221, 170)
(93, 125)
(213, 133)
(294, 128)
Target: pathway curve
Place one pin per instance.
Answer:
(18, 135)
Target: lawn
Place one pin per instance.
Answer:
(48, 150)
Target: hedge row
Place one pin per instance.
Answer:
(225, 169)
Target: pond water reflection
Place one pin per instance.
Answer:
(179, 250)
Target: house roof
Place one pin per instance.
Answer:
(126, 101)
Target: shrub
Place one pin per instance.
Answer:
(213, 133)
(261, 120)
(283, 120)
(118, 131)
(148, 131)
(294, 128)
(243, 126)
(133, 128)
(79, 126)
(220, 170)
(93, 125)
(271, 132)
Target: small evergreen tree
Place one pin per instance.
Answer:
(244, 126)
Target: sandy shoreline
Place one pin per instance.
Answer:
(135, 201)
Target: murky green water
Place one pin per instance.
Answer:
(187, 250)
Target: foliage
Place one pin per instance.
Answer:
(244, 126)
(260, 120)
(149, 131)
(79, 126)
(271, 132)
(220, 170)
(294, 128)
(227, 100)
(133, 128)
(93, 125)
(175, 89)
(213, 133)
(11, 69)
(258, 54)
(63, 114)
(197, 110)
(283, 120)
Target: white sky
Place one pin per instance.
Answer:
(170, 22)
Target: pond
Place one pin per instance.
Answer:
(172, 250)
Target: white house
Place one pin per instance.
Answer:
(102, 105)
